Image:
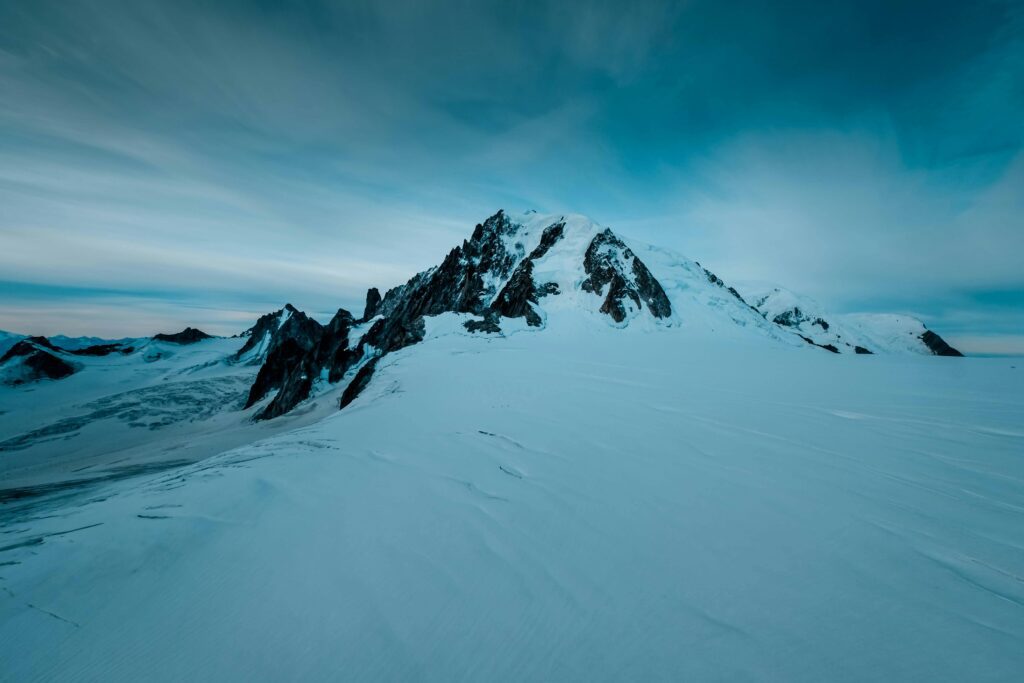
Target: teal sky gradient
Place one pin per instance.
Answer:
(171, 163)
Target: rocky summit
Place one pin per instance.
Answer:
(33, 359)
(189, 335)
(515, 268)
(492, 276)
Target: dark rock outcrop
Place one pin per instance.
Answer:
(937, 345)
(465, 282)
(862, 351)
(288, 344)
(39, 342)
(827, 347)
(490, 275)
(189, 335)
(33, 359)
(358, 383)
(279, 366)
(517, 296)
(270, 331)
(490, 324)
(295, 373)
(103, 350)
(715, 280)
(610, 262)
(514, 300)
(373, 301)
(790, 318)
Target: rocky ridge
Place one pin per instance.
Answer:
(490, 276)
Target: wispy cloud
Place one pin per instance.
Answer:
(867, 153)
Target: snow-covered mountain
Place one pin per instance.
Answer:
(562, 455)
(861, 333)
(9, 339)
(519, 269)
(33, 359)
(515, 273)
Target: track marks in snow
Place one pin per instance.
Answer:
(41, 538)
(476, 490)
(977, 580)
(510, 471)
(53, 614)
(502, 437)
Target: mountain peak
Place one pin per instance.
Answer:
(33, 359)
(189, 335)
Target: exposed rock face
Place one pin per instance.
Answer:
(715, 280)
(862, 351)
(489, 275)
(103, 350)
(490, 324)
(827, 347)
(333, 350)
(358, 383)
(273, 328)
(280, 364)
(33, 359)
(610, 262)
(189, 335)
(372, 303)
(295, 372)
(465, 282)
(265, 325)
(791, 318)
(515, 298)
(938, 345)
(39, 342)
(289, 336)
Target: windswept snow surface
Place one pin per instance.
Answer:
(578, 503)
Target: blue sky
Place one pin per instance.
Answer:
(172, 163)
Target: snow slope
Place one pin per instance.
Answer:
(576, 503)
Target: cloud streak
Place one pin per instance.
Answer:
(866, 153)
